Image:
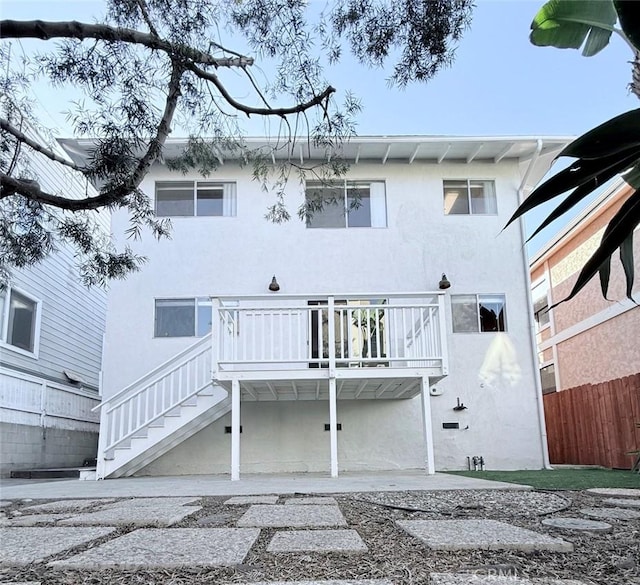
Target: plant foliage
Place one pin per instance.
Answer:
(608, 150)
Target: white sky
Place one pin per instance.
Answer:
(500, 84)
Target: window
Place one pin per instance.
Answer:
(540, 305)
(19, 314)
(469, 197)
(346, 204)
(182, 317)
(474, 313)
(548, 379)
(199, 198)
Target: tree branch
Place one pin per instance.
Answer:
(147, 17)
(24, 139)
(31, 190)
(316, 101)
(39, 29)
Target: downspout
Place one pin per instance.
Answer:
(532, 336)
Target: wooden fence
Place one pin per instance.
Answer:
(594, 424)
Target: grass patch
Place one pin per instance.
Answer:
(562, 479)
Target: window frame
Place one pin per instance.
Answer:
(345, 185)
(198, 302)
(541, 283)
(544, 366)
(468, 182)
(4, 322)
(232, 197)
(478, 297)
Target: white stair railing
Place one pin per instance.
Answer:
(159, 392)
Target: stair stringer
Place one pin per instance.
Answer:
(214, 403)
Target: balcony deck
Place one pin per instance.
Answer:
(286, 347)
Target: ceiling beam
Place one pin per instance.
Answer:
(386, 154)
(385, 388)
(249, 390)
(362, 386)
(503, 153)
(475, 152)
(340, 388)
(295, 388)
(406, 387)
(272, 389)
(446, 150)
(318, 390)
(414, 153)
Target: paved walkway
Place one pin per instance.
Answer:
(212, 485)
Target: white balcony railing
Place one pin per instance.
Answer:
(343, 331)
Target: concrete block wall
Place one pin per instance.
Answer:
(33, 447)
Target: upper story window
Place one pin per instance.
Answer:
(341, 204)
(195, 198)
(469, 197)
(19, 320)
(475, 313)
(541, 305)
(189, 317)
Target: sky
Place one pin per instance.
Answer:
(499, 84)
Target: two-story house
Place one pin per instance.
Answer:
(51, 332)
(359, 354)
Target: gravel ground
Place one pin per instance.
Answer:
(602, 559)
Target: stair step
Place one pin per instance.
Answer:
(141, 434)
(208, 391)
(191, 401)
(156, 424)
(173, 412)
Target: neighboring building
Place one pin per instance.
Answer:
(588, 339)
(360, 361)
(51, 331)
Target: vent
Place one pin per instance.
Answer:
(453, 425)
(227, 430)
(327, 426)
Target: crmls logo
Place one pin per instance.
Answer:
(503, 573)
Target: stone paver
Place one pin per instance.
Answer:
(310, 501)
(577, 524)
(241, 500)
(306, 516)
(317, 541)
(5, 503)
(66, 505)
(330, 582)
(473, 579)
(611, 513)
(622, 502)
(21, 546)
(38, 519)
(168, 548)
(480, 534)
(139, 512)
(616, 492)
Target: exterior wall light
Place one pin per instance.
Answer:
(444, 282)
(274, 286)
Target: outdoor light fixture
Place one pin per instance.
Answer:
(274, 286)
(444, 282)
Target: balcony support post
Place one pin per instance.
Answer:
(235, 430)
(333, 426)
(215, 336)
(427, 426)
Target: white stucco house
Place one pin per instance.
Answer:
(362, 360)
(51, 332)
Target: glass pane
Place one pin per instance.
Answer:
(483, 197)
(174, 199)
(325, 205)
(358, 206)
(175, 318)
(548, 379)
(204, 317)
(22, 322)
(492, 313)
(464, 309)
(210, 199)
(455, 198)
(541, 312)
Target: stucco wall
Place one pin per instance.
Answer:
(239, 255)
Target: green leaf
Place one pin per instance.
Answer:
(629, 17)
(626, 257)
(613, 136)
(605, 273)
(620, 227)
(584, 171)
(567, 24)
(571, 200)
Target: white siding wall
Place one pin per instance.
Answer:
(239, 255)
